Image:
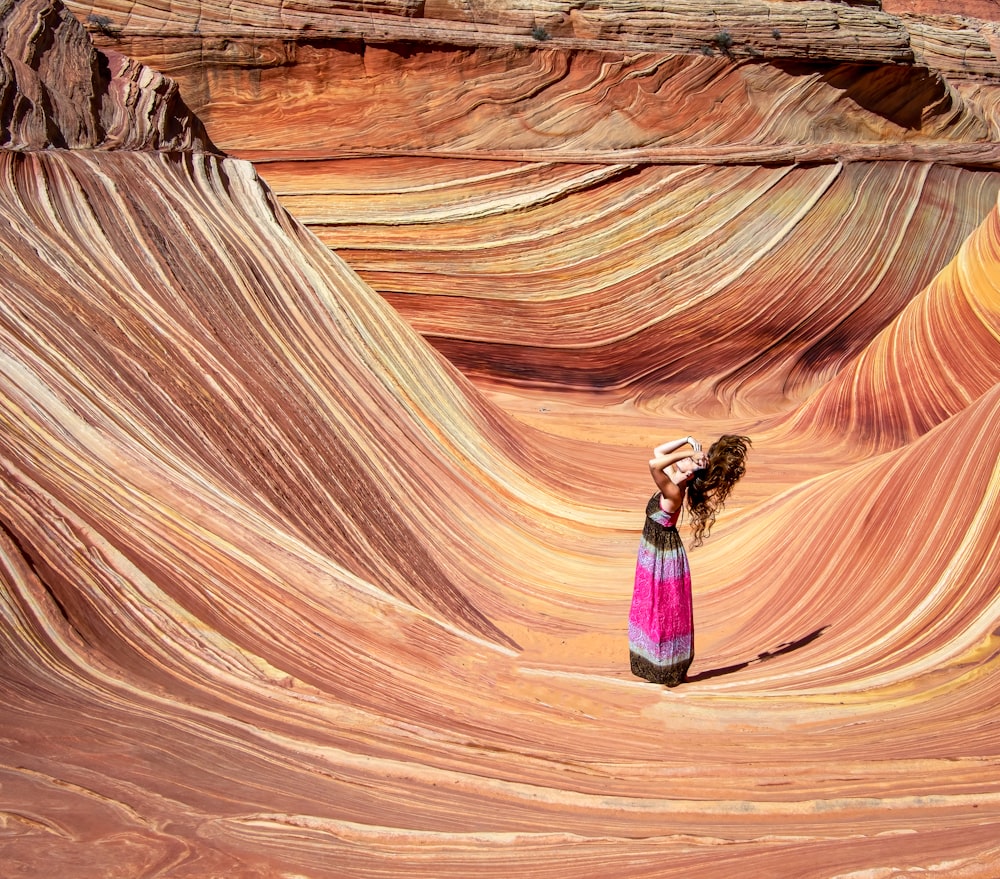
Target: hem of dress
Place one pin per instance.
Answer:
(669, 675)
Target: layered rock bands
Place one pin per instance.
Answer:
(333, 342)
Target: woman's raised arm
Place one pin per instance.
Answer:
(674, 445)
(663, 456)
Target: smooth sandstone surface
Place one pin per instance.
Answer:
(333, 342)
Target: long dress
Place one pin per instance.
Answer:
(661, 621)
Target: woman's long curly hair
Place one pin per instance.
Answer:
(708, 488)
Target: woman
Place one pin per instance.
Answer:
(661, 623)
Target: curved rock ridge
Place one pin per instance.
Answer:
(942, 353)
(504, 268)
(284, 594)
(930, 616)
(58, 91)
(143, 324)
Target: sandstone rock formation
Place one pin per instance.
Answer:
(319, 480)
(57, 91)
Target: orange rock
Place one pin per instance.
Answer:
(284, 593)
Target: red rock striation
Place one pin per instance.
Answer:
(498, 196)
(284, 593)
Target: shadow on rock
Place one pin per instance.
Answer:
(782, 649)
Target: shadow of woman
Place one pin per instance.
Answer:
(780, 650)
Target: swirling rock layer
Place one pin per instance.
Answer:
(284, 593)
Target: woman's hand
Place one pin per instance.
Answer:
(691, 463)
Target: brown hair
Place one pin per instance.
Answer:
(709, 487)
